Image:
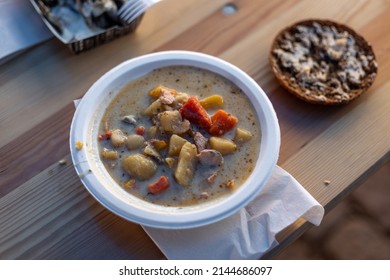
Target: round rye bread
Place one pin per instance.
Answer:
(323, 62)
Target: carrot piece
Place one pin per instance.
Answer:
(160, 185)
(222, 122)
(195, 113)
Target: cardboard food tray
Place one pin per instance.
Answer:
(98, 37)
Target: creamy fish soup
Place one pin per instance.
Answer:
(179, 136)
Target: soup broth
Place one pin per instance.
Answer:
(179, 136)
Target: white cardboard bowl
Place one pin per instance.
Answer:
(99, 183)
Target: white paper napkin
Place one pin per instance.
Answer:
(249, 233)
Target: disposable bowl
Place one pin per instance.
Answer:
(104, 189)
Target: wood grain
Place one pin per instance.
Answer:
(53, 216)
(41, 84)
(45, 212)
(46, 101)
(20, 162)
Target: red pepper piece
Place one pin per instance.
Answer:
(222, 122)
(108, 134)
(140, 130)
(160, 185)
(195, 113)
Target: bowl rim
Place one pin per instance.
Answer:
(177, 217)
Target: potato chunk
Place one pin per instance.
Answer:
(223, 145)
(153, 108)
(139, 166)
(152, 132)
(186, 165)
(242, 136)
(181, 97)
(134, 141)
(170, 162)
(152, 152)
(211, 102)
(117, 138)
(175, 144)
(172, 122)
(109, 154)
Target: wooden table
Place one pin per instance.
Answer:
(45, 212)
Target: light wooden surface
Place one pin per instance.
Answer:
(45, 213)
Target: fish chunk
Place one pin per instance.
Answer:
(210, 157)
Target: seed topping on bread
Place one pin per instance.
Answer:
(323, 62)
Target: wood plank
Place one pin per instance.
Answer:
(26, 208)
(225, 31)
(311, 169)
(48, 119)
(294, 231)
(35, 150)
(51, 135)
(346, 139)
(344, 144)
(46, 213)
(41, 93)
(52, 216)
(294, 115)
(301, 122)
(340, 153)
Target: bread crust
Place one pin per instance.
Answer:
(323, 62)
